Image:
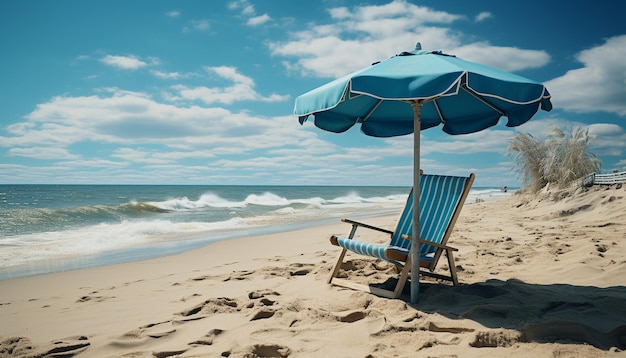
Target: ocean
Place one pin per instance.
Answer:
(51, 228)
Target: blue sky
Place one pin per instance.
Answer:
(202, 92)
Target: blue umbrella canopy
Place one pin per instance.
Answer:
(417, 90)
(465, 97)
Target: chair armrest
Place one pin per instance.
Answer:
(421, 241)
(352, 222)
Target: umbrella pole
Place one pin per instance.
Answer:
(415, 246)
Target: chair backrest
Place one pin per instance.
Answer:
(441, 199)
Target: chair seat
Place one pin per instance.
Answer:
(380, 251)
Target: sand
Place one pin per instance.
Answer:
(541, 276)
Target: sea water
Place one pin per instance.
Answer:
(50, 228)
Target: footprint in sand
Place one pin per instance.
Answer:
(208, 338)
(262, 314)
(239, 275)
(143, 334)
(94, 298)
(299, 269)
(261, 294)
(209, 307)
(23, 347)
(350, 316)
(203, 278)
(269, 350)
(260, 350)
(165, 354)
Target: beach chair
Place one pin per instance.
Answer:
(441, 200)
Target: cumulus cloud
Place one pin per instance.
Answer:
(173, 13)
(247, 10)
(258, 20)
(358, 36)
(42, 153)
(123, 62)
(197, 25)
(483, 16)
(171, 75)
(601, 129)
(599, 85)
(505, 58)
(487, 141)
(244, 6)
(242, 89)
(136, 156)
(608, 139)
(200, 24)
(140, 137)
(605, 138)
(135, 119)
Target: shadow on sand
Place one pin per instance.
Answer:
(555, 313)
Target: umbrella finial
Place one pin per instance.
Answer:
(418, 46)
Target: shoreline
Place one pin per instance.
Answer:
(538, 278)
(169, 247)
(179, 243)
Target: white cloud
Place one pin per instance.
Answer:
(93, 163)
(598, 86)
(165, 75)
(33, 174)
(483, 16)
(505, 58)
(258, 20)
(606, 138)
(136, 156)
(197, 25)
(173, 13)
(398, 9)
(247, 10)
(42, 153)
(141, 138)
(123, 62)
(242, 5)
(359, 36)
(133, 119)
(171, 75)
(230, 73)
(487, 141)
(601, 129)
(241, 90)
(201, 25)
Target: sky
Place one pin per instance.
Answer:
(202, 92)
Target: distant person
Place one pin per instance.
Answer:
(505, 189)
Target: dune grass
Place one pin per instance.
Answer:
(558, 160)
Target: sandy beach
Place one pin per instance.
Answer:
(540, 276)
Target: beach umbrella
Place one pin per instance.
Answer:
(417, 90)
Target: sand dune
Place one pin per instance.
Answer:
(541, 276)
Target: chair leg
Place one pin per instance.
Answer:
(404, 275)
(335, 271)
(452, 267)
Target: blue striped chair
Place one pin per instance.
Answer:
(441, 200)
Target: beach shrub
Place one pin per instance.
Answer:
(558, 160)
